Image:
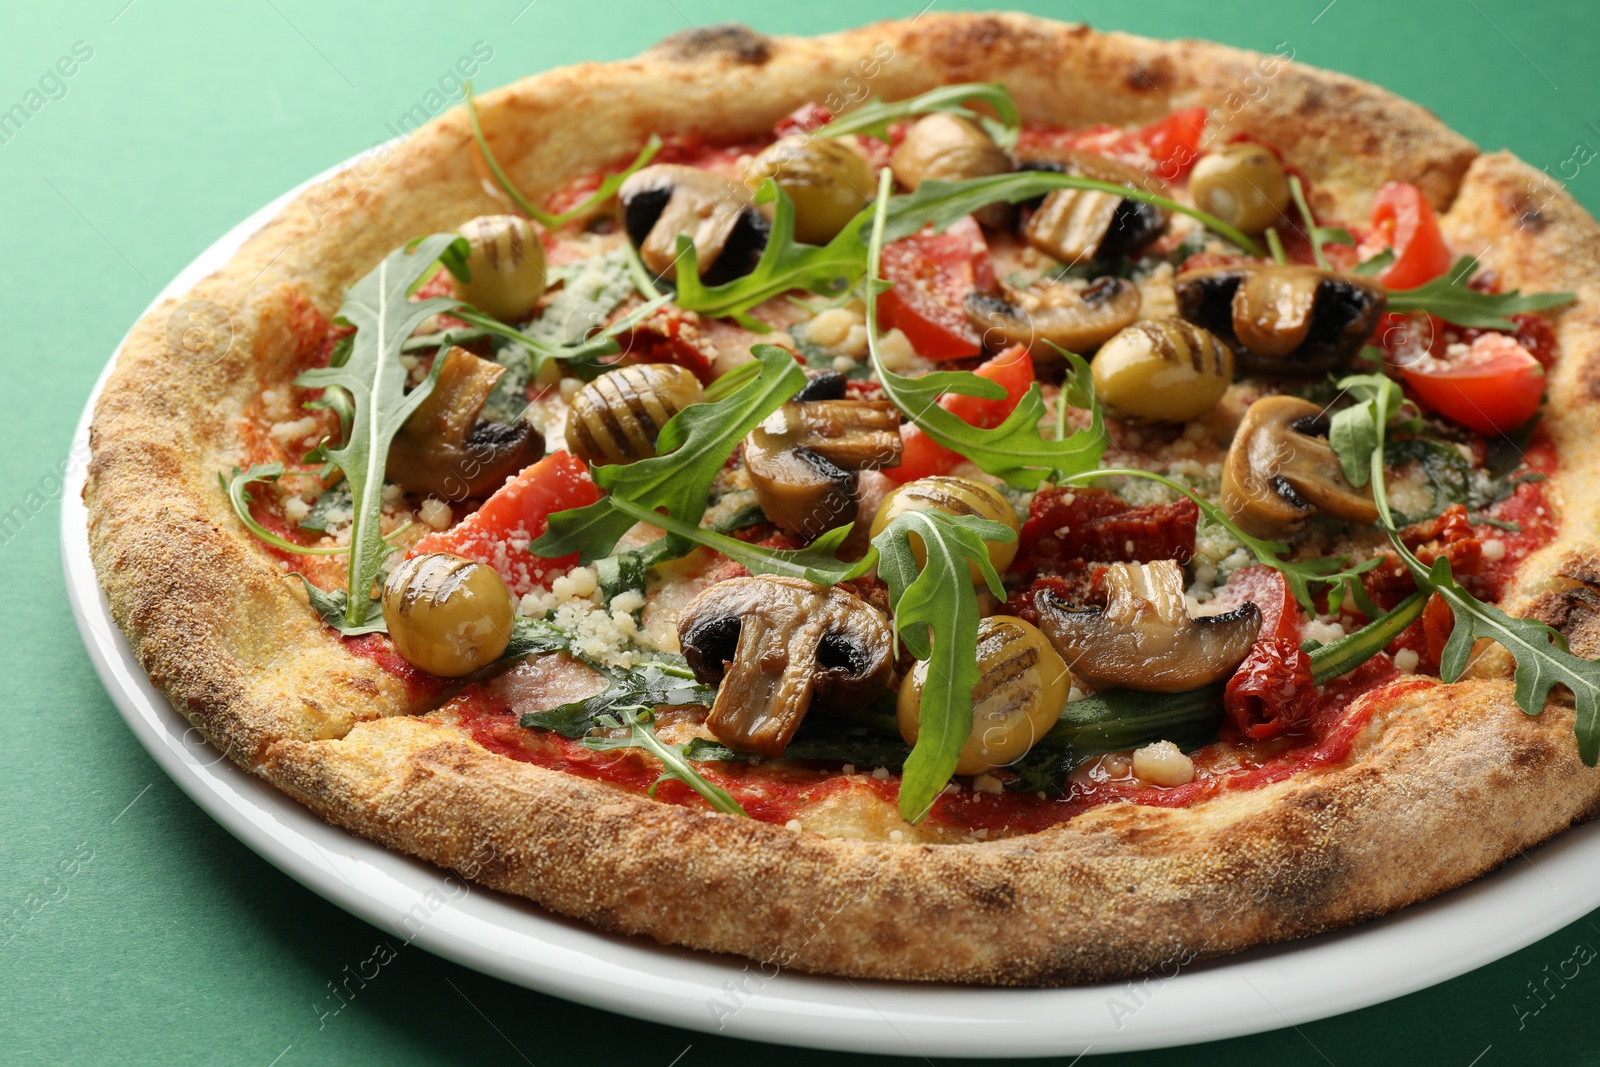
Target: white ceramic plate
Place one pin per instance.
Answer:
(512, 939)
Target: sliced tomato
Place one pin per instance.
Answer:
(1403, 221)
(498, 533)
(931, 275)
(1281, 617)
(923, 456)
(1174, 142)
(803, 119)
(1493, 387)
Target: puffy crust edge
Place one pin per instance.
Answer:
(1121, 890)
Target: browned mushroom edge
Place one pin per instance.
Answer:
(445, 450)
(1144, 638)
(660, 202)
(1280, 471)
(802, 461)
(1074, 225)
(776, 647)
(1282, 319)
(1055, 313)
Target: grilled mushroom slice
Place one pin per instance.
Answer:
(1281, 471)
(445, 450)
(803, 459)
(1143, 638)
(779, 646)
(951, 148)
(617, 417)
(1057, 313)
(662, 201)
(1079, 224)
(1282, 318)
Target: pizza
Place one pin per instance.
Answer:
(969, 498)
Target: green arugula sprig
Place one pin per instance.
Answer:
(332, 606)
(1450, 298)
(1316, 235)
(1014, 450)
(641, 734)
(816, 562)
(785, 264)
(608, 186)
(692, 448)
(936, 615)
(371, 375)
(1299, 575)
(873, 117)
(1540, 652)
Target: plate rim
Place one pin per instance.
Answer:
(516, 941)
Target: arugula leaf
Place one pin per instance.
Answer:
(1116, 719)
(626, 570)
(1451, 478)
(816, 562)
(785, 264)
(241, 499)
(1317, 236)
(1014, 450)
(529, 636)
(1355, 432)
(936, 615)
(1449, 297)
(1539, 651)
(332, 607)
(650, 685)
(673, 765)
(693, 446)
(601, 343)
(1376, 263)
(874, 116)
(1298, 575)
(943, 203)
(378, 306)
(1339, 657)
(334, 500)
(608, 186)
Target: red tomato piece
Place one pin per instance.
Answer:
(1403, 220)
(1067, 525)
(1174, 142)
(498, 533)
(1281, 617)
(923, 456)
(931, 275)
(1493, 387)
(1272, 691)
(803, 119)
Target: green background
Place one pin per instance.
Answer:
(173, 942)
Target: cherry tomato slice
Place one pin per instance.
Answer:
(931, 274)
(498, 533)
(1174, 142)
(923, 456)
(1402, 220)
(1493, 387)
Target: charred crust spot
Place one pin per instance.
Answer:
(732, 41)
(995, 896)
(1150, 76)
(1314, 801)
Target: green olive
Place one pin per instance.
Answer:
(1162, 370)
(617, 417)
(1243, 184)
(507, 267)
(828, 181)
(447, 615)
(1023, 685)
(953, 496)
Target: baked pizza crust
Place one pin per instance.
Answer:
(1454, 779)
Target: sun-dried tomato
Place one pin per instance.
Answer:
(1093, 524)
(1272, 691)
(1075, 585)
(1450, 535)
